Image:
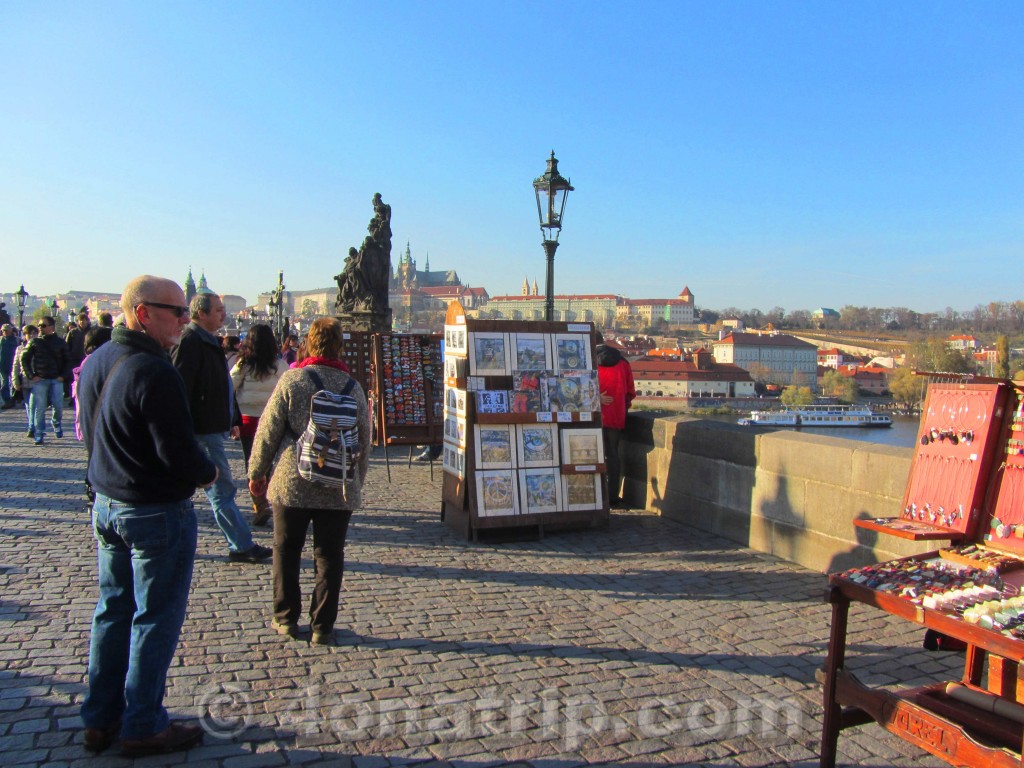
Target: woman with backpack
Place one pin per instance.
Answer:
(303, 492)
(254, 376)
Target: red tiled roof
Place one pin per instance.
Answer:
(756, 339)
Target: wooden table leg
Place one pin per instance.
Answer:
(833, 663)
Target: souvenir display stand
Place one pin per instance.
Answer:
(966, 487)
(408, 390)
(357, 352)
(522, 442)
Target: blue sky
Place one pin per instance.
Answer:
(787, 154)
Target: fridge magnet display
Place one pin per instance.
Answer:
(540, 490)
(494, 448)
(582, 446)
(455, 339)
(537, 445)
(454, 460)
(496, 492)
(489, 354)
(581, 492)
(492, 401)
(572, 352)
(530, 352)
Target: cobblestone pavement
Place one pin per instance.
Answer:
(648, 643)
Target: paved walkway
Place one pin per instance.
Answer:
(645, 644)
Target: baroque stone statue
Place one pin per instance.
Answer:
(363, 283)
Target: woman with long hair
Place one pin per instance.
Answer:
(254, 376)
(298, 502)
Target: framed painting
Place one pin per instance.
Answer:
(488, 354)
(455, 401)
(540, 490)
(454, 367)
(537, 445)
(530, 352)
(494, 446)
(582, 447)
(455, 339)
(496, 493)
(572, 352)
(492, 401)
(581, 492)
(455, 430)
(454, 460)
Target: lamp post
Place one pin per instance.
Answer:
(22, 297)
(551, 189)
(54, 308)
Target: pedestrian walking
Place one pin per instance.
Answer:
(8, 348)
(144, 466)
(46, 365)
(255, 375)
(298, 502)
(200, 360)
(22, 388)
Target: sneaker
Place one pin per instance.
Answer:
(30, 435)
(37, 440)
(257, 554)
(322, 637)
(174, 738)
(288, 628)
(58, 433)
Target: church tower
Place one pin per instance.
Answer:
(203, 287)
(526, 286)
(535, 291)
(190, 287)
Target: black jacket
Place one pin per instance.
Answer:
(143, 448)
(201, 363)
(46, 357)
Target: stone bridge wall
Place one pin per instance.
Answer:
(789, 493)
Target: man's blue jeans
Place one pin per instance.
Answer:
(222, 496)
(46, 392)
(6, 386)
(145, 556)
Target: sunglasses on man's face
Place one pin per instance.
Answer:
(177, 310)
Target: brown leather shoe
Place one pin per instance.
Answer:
(99, 739)
(174, 738)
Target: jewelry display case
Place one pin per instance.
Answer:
(966, 486)
(522, 426)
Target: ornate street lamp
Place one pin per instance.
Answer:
(551, 189)
(54, 308)
(22, 298)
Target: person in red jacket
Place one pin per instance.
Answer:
(617, 392)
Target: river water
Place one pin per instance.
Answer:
(903, 431)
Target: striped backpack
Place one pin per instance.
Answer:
(327, 449)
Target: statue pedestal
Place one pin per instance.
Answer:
(374, 322)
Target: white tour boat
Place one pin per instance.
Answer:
(818, 416)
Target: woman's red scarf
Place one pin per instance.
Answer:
(329, 362)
